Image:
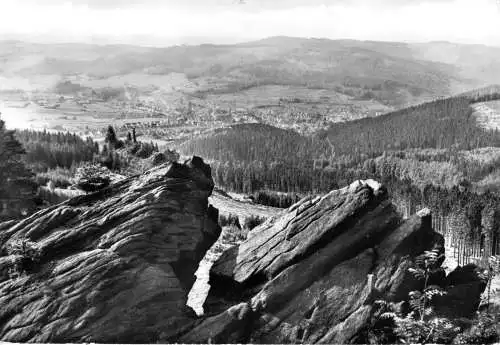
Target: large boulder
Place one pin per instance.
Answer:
(112, 266)
(312, 274)
(464, 287)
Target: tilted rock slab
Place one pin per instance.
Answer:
(116, 266)
(313, 274)
(113, 266)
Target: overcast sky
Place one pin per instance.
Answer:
(166, 22)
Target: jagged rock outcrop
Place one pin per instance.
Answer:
(112, 266)
(312, 275)
(117, 266)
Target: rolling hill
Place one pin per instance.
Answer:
(296, 83)
(418, 70)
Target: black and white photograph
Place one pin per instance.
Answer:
(249, 172)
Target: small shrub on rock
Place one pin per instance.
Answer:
(158, 158)
(164, 157)
(232, 235)
(229, 220)
(253, 221)
(92, 177)
(484, 330)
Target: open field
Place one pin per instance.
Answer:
(488, 114)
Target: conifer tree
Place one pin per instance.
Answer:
(17, 189)
(111, 136)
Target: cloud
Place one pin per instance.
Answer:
(167, 21)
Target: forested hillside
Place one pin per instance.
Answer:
(445, 123)
(251, 142)
(440, 124)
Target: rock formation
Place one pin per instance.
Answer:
(464, 286)
(313, 274)
(116, 266)
(243, 209)
(112, 266)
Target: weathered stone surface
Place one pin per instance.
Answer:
(243, 209)
(117, 265)
(230, 326)
(113, 266)
(313, 274)
(308, 225)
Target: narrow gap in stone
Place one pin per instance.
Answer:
(201, 287)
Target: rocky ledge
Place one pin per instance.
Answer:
(112, 266)
(116, 266)
(314, 273)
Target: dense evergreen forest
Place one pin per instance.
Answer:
(45, 150)
(252, 142)
(440, 124)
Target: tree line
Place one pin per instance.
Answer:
(46, 150)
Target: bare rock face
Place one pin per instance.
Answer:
(112, 266)
(116, 266)
(312, 274)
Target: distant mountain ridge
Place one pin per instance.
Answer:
(434, 68)
(304, 84)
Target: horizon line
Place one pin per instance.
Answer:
(236, 41)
